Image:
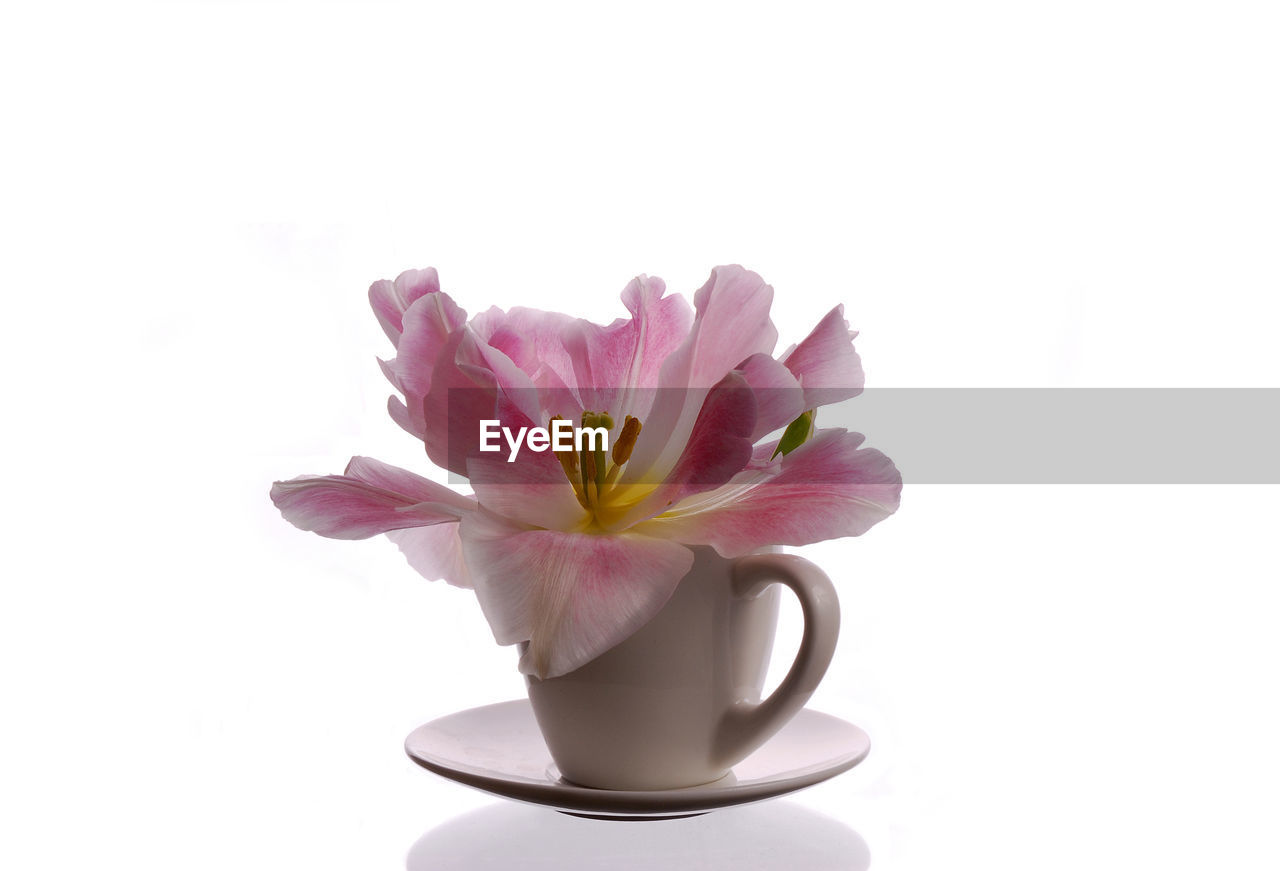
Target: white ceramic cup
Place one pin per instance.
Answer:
(678, 703)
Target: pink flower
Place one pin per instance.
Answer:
(574, 551)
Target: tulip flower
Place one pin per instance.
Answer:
(574, 550)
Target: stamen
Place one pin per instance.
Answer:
(568, 459)
(589, 470)
(626, 441)
(601, 465)
(593, 462)
(568, 462)
(588, 467)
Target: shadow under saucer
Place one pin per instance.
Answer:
(777, 835)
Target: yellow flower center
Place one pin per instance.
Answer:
(593, 472)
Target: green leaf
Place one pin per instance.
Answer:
(798, 432)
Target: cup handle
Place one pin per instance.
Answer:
(747, 725)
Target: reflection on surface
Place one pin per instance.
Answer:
(760, 837)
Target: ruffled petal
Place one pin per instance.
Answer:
(389, 370)
(528, 337)
(516, 387)
(369, 498)
(731, 324)
(572, 596)
(827, 488)
(719, 447)
(659, 323)
(779, 397)
(435, 552)
(825, 363)
(555, 396)
(406, 483)
(460, 397)
(391, 299)
(429, 323)
(475, 382)
(399, 412)
(533, 489)
(615, 368)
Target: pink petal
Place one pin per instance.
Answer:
(429, 322)
(389, 370)
(531, 490)
(779, 398)
(572, 596)
(450, 414)
(615, 368)
(555, 397)
(390, 299)
(825, 363)
(435, 552)
(516, 386)
(400, 414)
(523, 353)
(826, 488)
(731, 324)
(472, 382)
(369, 498)
(719, 447)
(528, 337)
(660, 325)
(406, 483)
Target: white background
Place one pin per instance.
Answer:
(195, 197)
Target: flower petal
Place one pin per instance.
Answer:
(528, 337)
(516, 386)
(400, 414)
(826, 488)
(473, 382)
(615, 368)
(731, 324)
(825, 363)
(435, 552)
(391, 299)
(429, 322)
(719, 447)
(389, 371)
(533, 489)
(661, 324)
(779, 397)
(460, 397)
(555, 397)
(369, 498)
(406, 483)
(572, 596)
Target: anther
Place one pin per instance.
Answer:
(626, 441)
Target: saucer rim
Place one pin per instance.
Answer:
(638, 804)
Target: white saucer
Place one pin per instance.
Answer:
(498, 749)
